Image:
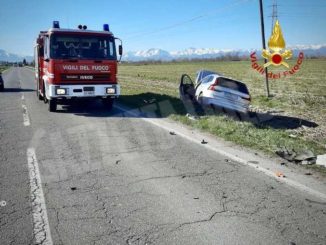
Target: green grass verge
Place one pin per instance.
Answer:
(258, 137)
(302, 97)
(2, 68)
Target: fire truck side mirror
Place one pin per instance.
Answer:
(120, 50)
(39, 41)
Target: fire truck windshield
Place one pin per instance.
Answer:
(67, 46)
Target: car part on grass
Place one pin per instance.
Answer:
(321, 160)
(305, 157)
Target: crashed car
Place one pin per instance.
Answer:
(215, 90)
(1, 83)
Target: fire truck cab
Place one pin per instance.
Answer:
(76, 63)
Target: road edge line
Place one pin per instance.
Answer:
(41, 227)
(235, 158)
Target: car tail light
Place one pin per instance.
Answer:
(212, 87)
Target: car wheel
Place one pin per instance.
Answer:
(108, 103)
(52, 105)
(2, 87)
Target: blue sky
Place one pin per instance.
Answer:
(167, 24)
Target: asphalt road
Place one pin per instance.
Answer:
(112, 179)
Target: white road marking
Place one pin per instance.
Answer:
(25, 116)
(26, 120)
(159, 122)
(41, 225)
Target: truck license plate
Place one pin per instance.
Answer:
(88, 90)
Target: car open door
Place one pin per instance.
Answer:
(187, 93)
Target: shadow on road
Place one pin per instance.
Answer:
(152, 105)
(158, 105)
(87, 108)
(16, 90)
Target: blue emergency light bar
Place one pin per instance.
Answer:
(56, 24)
(106, 27)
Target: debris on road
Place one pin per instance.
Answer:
(204, 142)
(321, 160)
(3, 203)
(308, 173)
(305, 157)
(117, 161)
(172, 133)
(73, 188)
(286, 154)
(280, 174)
(253, 162)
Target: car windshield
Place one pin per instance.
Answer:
(231, 84)
(63, 46)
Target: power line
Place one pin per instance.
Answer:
(195, 18)
(274, 14)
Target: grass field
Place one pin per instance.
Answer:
(2, 68)
(297, 105)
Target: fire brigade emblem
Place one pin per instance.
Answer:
(277, 54)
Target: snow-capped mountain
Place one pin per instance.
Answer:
(211, 53)
(9, 57)
(154, 54)
(151, 54)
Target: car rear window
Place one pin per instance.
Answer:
(231, 84)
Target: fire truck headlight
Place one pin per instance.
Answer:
(110, 90)
(61, 91)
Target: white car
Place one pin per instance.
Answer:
(215, 90)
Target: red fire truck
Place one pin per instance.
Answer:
(76, 63)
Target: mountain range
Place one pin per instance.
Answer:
(9, 57)
(155, 54)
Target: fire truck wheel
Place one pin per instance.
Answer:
(108, 102)
(38, 94)
(52, 105)
(45, 100)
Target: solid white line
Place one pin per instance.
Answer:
(41, 227)
(159, 122)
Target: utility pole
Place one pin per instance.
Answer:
(263, 40)
(274, 14)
